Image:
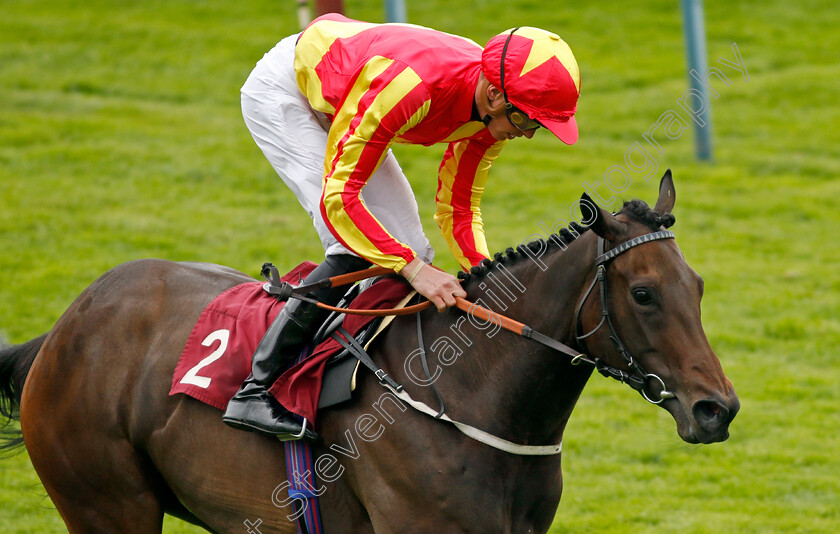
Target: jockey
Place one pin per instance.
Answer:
(326, 105)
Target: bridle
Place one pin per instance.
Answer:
(638, 378)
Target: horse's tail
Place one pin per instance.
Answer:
(15, 362)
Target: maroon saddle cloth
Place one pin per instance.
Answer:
(217, 356)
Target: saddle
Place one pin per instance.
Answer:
(339, 379)
(217, 355)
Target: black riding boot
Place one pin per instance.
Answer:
(253, 407)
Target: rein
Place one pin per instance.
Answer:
(637, 378)
(284, 290)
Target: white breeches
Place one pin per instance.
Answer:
(293, 137)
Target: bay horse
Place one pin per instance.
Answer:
(115, 452)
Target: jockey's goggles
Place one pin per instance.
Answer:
(520, 119)
(516, 117)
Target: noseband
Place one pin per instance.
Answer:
(637, 378)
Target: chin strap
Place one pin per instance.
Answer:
(486, 120)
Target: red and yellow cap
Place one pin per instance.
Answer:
(538, 74)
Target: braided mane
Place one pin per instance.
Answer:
(640, 211)
(635, 209)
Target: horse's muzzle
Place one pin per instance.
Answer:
(713, 417)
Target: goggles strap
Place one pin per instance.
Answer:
(502, 68)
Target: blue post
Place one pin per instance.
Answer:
(695, 44)
(395, 11)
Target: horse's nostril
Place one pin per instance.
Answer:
(711, 415)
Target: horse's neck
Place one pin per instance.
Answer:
(514, 383)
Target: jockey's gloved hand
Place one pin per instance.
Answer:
(438, 286)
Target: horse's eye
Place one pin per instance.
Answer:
(643, 296)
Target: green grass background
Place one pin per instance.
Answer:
(121, 138)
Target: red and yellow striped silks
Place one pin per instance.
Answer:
(387, 83)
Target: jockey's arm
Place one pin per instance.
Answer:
(461, 181)
(357, 143)
(462, 176)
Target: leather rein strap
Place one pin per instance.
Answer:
(521, 329)
(638, 379)
(284, 291)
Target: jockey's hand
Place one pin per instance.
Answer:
(439, 287)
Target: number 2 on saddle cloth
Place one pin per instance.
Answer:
(217, 356)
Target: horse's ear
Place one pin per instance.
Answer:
(600, 220)
(667, 195)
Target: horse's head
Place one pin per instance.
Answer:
(649, 305)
